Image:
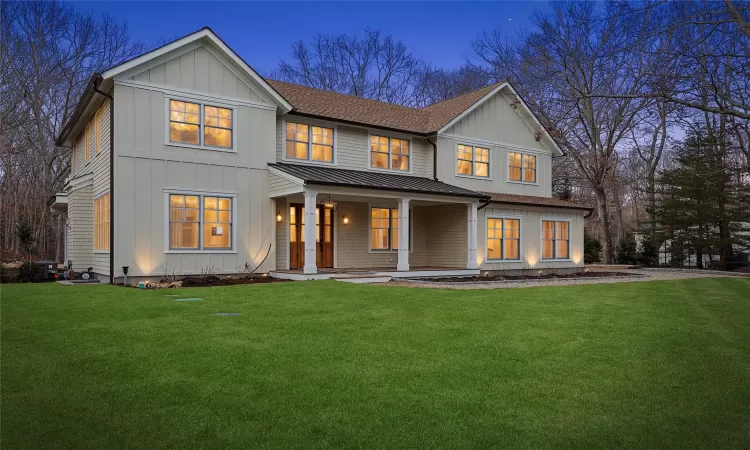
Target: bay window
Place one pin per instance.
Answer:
(389, 153)
(503, 239)
(200, 222)
(473, 161)
(200, 124)
(521, 167)
(555, 239)
(309, 143)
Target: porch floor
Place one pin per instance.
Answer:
(374, 274)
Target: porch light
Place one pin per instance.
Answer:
(278, 217)
(329, 202)
(346, 219)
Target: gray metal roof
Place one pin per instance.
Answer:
(328, 176)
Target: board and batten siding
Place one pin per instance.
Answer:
(352, 147)
(531, 237)
(147, 166)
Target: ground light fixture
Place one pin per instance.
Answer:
(125, 272)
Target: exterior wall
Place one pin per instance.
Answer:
(352, 244)
(100, 168)
(81, 232)
(278, 184)
(352, 147)
(147, 165)
(440, 236)
(282, 234)
(531, 237)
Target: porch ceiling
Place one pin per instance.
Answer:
(327, 176)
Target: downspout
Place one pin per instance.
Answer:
(484, 205)
(434, 157)
(97, 82)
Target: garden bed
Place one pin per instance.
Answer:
(551, 276)
(213, 280)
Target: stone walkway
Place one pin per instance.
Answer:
(634, 275)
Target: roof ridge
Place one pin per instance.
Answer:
(493, 85)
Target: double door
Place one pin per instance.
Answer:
(323, 236)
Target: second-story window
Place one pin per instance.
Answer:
(521, 167)
(389, 153)
(309, 143)
(473, 161)
(212, 128)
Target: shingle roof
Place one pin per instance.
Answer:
(349, 108)
(328, 176)
(535, 201)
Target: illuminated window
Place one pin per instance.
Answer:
(555, 239)
(309, 143)
(503, 239)
(200, 222)
(521, 167)
(384, 229)
(211, 128)
(389, 153)
(101, 223)
(473, 161)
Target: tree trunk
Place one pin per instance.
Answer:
(606, 238)
(651, 198)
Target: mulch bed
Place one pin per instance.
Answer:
(479, 279)
(213, 280)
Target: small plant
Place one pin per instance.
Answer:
(171, 275)
(29, 273)
(247, 270)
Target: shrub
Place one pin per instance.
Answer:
(649, 255)
(626, 252)
(591, 248)
(29, 273)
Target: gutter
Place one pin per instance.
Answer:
(434, 157)
(97, 79)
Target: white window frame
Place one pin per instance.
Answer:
(309, 149)
(554, 247)
(502, 251)
(201, 194)
(369, 229)
(202, 103)
(99, 197)
(473, 147)
(390, 137)
(536, 167)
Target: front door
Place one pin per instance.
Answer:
(323, 237)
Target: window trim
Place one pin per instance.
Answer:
(370, 206)
(474, 145)
(507, 167)
(486, 238)
(201, 194)
(390, 136)
(541, 238)
(333, 127)
(105, 223)
(202, 103)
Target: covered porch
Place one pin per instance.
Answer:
(342, 231)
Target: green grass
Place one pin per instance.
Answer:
(327, 364)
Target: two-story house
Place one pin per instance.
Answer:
(186, 160)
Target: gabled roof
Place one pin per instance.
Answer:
(532, 200)
(328, 176)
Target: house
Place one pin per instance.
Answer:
(186, 160)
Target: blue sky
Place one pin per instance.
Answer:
(262, 32)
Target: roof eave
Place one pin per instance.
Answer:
(360, 124)
(510, 202)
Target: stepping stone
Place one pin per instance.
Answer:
(226, 314)
(188, 299)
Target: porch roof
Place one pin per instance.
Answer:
(532, 200)
(328, 176)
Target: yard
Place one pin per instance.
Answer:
(326, 364)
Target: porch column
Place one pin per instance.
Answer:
(403, 234)
(309, 232)
(472, 236)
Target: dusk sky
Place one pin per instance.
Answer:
(262, 32)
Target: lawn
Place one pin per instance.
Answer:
(326, 364)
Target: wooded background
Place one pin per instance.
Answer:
(650, 101)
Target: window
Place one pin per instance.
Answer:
(521, 167)
(384, 229)
(101, 223)
(301, 145)
(555, 239)
(212, 128)
(200, 222)
(473, 161)
(389, 153)
(503, 238)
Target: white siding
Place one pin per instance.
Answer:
(282, 235)
(531, 235)
(352, 147)
(277, 184)
(440, 236)
(81, 233)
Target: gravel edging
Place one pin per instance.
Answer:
(528, 280)
(639, 275)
